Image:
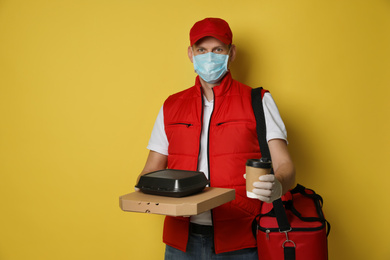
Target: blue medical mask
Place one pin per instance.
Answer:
(211, 67)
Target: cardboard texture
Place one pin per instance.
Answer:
(209, 198)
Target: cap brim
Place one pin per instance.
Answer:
(219, 37)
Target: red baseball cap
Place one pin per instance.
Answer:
(214, 27)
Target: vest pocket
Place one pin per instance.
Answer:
(182, 138)
(181, 124)
(238, 121)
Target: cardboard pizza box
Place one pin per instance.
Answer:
(207, 199)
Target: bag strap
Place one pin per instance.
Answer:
(281, 217)
(258, 110)
(280, 213)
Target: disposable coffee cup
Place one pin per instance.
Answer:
(254, 169)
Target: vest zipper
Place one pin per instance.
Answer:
(208, 151)
(201, 127)
(208, 139)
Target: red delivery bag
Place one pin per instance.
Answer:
(299, 233)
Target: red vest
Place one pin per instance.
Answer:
(232, 140)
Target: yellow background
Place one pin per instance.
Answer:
(81, 83)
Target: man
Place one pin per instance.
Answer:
(211, 127)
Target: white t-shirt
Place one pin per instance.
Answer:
(159, 143)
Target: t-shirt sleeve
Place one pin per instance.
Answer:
(158, 141)
(274, 123)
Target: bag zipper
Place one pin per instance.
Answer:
(269, 230)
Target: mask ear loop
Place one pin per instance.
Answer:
(228, 61)
(193, 59)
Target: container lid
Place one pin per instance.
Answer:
(172, 183)
(264, 163)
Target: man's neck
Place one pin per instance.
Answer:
(208, 89)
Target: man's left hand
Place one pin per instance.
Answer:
(268, 188)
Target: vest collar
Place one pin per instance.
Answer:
(220, 89)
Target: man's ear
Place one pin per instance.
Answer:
(190, 54)
(232, 53)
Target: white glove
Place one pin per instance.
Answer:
(268, 188)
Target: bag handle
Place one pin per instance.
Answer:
(258, 110)
(318, 202)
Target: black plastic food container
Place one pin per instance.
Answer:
(172, 183)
